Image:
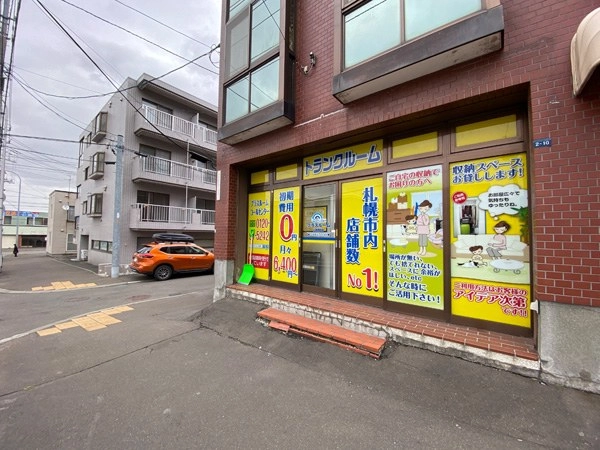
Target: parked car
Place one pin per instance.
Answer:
(171, 253)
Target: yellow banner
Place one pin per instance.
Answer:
(415, 237)
(286, 225)
(489, 236)
(362, 245)
(259, 228)
(350, 159)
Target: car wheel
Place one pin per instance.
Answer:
(163, 272)
(211, 270)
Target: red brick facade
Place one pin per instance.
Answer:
(535, 60)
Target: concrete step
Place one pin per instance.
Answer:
(362, 343)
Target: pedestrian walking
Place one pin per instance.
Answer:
(15, 250)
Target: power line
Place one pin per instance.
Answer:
(137, 36)
(164, 25)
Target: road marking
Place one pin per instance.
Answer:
(61, 285)
(89, 322)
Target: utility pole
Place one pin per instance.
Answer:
(3, 109)
(116, 244)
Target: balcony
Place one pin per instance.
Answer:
(172, 127)
(166, 172)
(170, 218)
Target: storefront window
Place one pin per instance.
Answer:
(259, 233)
(487, 131)
(286, 173)
(415, 236)
(362, 232)
(489, 235)
(415, 145)
(449, 238)
(286, 228)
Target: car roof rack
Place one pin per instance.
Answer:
(172, 237)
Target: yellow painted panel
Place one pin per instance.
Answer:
(88, 324)
(286, 172)
(487, 130)
(48, 331)
(261, 177)
(104, 319)
(415, 145)
(66, 325)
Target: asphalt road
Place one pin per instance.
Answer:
(177, 371)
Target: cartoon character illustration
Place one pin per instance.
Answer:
(476, 257)
(423, 226)
(498, 242)
(411, 220)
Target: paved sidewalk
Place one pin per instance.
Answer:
(34, 271)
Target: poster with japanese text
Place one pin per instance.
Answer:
(489, 237)
(361, 231)
(286, 223)
(259, 228)
(415, 257)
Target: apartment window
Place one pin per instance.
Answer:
(97, 166)
(84, 207)
(257, 91)
(71, 214)
(81, 149)
(441, 32)
(100, 125)
(7, 220)
(95, 204)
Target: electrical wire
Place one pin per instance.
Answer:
(164, 25)
(137, 36)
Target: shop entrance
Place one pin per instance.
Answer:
(319, 238)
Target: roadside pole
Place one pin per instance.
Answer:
(116, 244)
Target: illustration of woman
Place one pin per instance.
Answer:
(498, 242)
(423, 226)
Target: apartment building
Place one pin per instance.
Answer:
(434, 159)
(61, 223)
(167, 139)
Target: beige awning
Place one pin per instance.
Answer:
(585, 50)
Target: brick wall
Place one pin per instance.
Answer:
(536, 54)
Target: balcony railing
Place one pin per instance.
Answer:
(165, 171)
(170, 122)
(148, 216)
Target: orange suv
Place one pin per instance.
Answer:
(171, 253)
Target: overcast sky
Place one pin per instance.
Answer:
(47, 61)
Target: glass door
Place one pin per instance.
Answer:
(319, 234)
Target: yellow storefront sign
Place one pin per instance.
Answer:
(489, 236)
(286, 224)
(346, 160)
(259, 229)
(362, 244)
